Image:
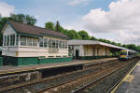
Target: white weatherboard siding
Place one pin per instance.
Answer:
(9, 51)
(91, 50)
(9, 30)
(80, 49)
(36, 52)
(30, 51)
(88, 50)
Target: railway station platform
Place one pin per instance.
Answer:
(17, 69)
(131, 82)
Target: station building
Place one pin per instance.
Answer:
(91, 49)
(25, 44)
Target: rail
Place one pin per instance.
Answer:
(62, 78)
(81, 89)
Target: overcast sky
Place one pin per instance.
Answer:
(117, 20)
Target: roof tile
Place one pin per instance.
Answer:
(34, 30)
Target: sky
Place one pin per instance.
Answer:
(116, 20)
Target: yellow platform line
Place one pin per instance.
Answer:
(127, 78)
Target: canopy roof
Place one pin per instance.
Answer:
(94, 42)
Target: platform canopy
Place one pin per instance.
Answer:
(95, 42)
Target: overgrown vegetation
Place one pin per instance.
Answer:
(72, 34)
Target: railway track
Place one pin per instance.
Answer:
(68, 82)
(83, 82)
(94, 83)
(45, 83)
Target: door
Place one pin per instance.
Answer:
(77, 54)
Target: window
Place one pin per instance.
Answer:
(11, 37)
(14, 36)
(65, 44)
(17, 39)
(23, 41)
(53, 43)
(50, 43)
(35, 42)
(57, 42)
(30, 41)
(41, 43)
(12, 40)
(45, 43)
(60, 44)
(7, 40)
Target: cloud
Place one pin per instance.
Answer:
(77, 2)
(6, 9)
(122, 20)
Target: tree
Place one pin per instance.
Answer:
(50, 26)
(30, 20)
(132, 46)
(84, 35)
(93, 38)
(72, 34)
(58, 27)
(2, 22)
(118, 44)
(18, 18)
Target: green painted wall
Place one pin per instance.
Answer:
(27, 61)
(1, 61)
(20, 61)
(92, 57)
(7, 60)
(55, 60)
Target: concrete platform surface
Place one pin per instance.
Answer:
(131, 83)
(14, 69)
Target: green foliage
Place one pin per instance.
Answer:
(84, 35)
(58, 27)
(133, 47)
(18, 18)
(2, 22)
(93, 38)
(109, 42)
(73, 34)
(129, 46)
(49, 26)
(23, 18)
